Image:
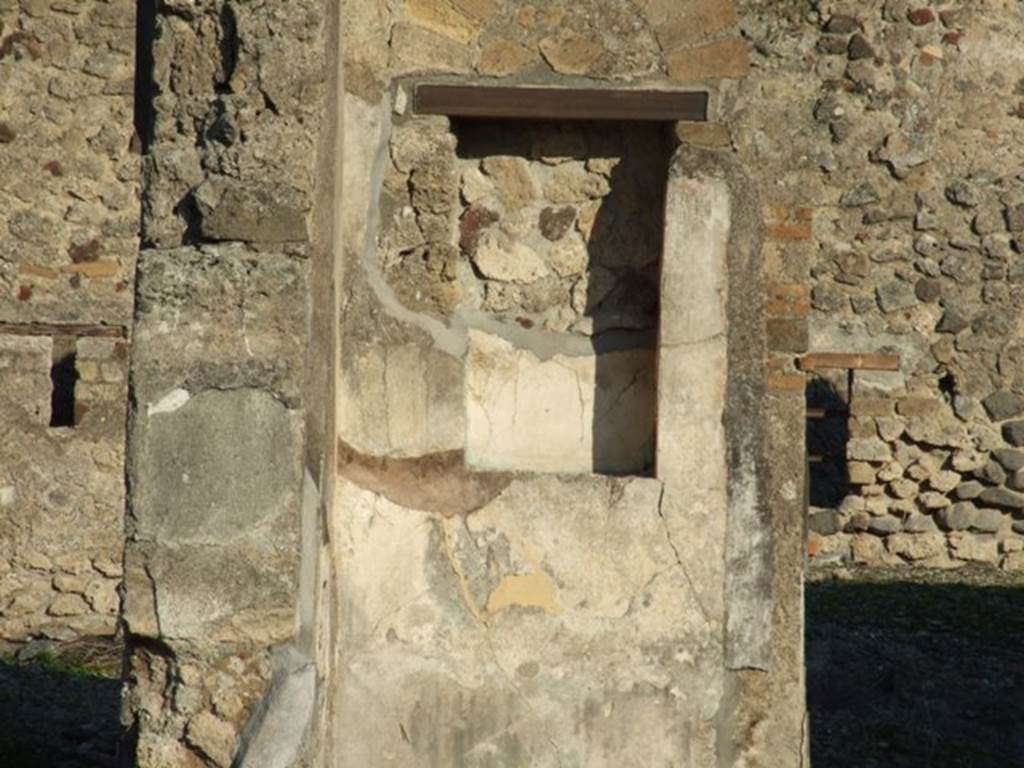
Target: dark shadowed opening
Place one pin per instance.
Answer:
(60, 705)
(828, 432)
(145, 89)
(63, 377)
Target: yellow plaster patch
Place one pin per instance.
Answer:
(532, 590)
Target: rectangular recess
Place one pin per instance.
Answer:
(534, 103)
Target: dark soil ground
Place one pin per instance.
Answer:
(60, 706)
(926, 673)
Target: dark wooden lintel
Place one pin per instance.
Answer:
(844, 361)
(535, 103)
(62, 329)
(817, 414)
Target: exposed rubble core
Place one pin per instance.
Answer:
(553, 226)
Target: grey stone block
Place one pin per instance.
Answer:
(987, 521)
(958, 517)
(1013, 433)
(1010, 460)
(213, 466)
(1003, 405)
(883, 526)
(1003, 497)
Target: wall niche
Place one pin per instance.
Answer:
(544, 239)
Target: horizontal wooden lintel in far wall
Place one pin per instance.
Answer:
(535, 103)
(846, 361)
(62, 329)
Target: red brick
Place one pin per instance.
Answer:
(790, 232)
(787, 334)
(919, 17)
(793, 382)
(794, 290)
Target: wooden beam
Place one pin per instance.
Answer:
(534, 103)
(852, 362)
(62, 329)
(826, 413)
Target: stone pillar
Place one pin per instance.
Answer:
(231, 383)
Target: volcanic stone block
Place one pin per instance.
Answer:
(1013, 433)
(1010, 459)
(217, 481)
(958, 517)
(1003, 405)
(1002, 497)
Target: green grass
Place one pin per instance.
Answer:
(97, 660)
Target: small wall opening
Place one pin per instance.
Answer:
(828, 431)
(63, 377)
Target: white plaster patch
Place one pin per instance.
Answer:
(169, 403)
(528, 414)
(7, 495)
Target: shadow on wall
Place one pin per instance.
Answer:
(619, 225)
(828, 432)
(915, 675)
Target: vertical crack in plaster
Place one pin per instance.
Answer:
(156, 606)
(622, 393)
(804, 736)
(583, 409)
(579, 395)
(679, 559)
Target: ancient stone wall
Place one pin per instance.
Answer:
(69, 214)
(906, 131)
(865, 154)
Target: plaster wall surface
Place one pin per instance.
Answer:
(550, 623)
